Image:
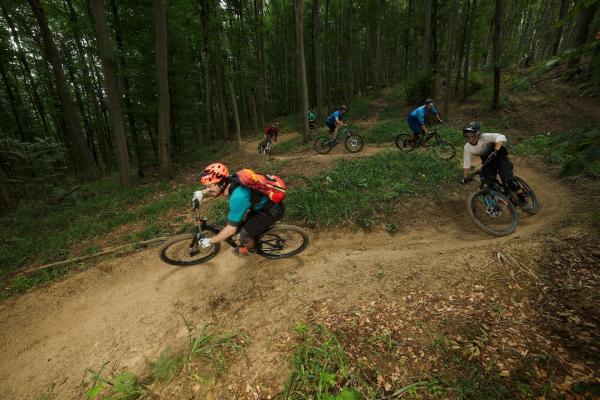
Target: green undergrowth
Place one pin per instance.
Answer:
(289, 145)
(577, 150)
(320, 368)
(360, 192)
(206, 355)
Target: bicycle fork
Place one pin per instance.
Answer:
(492, 207)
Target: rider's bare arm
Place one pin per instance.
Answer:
(224, 234)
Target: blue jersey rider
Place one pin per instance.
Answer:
(416, 119)
(334, 121)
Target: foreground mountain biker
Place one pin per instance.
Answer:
(251, 213)
(334, 121)
(494, 157)
(416, 118)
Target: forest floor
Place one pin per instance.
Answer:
(517, 316)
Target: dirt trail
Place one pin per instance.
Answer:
(126, 310)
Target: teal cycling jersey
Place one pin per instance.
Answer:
(418, 115)
(240, 201)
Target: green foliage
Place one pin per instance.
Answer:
(386, 131)
(123, 386)
(476, 81)
(318, 366)
(167, 365)
(578, 150)
(290, 145)
(419, 88)
(359, 108)
(362, 191)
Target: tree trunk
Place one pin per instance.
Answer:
(497, 31)
(81, 152)
(298, 17)
(4, 194)
(32, 86)
(260, 72)
(451, 35)
(463, 45)
(14, 104)
(89, 88)
(468, 50)
(318, 57)
(139, 154)
(162, 79)
(206, 58)
(427, 38)
(234, 104)
(586, 16)
(112, 91)
(222, 103)
(559, 28)
(408, 23)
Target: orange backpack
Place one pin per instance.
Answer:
(270, 185)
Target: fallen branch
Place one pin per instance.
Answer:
(83, 258)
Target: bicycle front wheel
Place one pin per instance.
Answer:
(354, 143)
(492, 212)
(283, 241)
(405, 142)
(322, 145)
(444, 150)
(183, 250)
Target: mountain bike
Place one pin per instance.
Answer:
(353, 142)
(442, 148)
(493, 207)
(265, 147)
(280, 241)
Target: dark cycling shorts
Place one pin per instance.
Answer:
(258, 222)
(331, 127)
(414, 125)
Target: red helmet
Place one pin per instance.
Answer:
(214, 173)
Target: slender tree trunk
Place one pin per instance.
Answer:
(32, 86)
(206, 59)
(559, 29)
(427, 38)
(497, 32)
(112, 90)
(260, 73)
(222, 103)
(164, 101)
(318, 57)
(234, 104)
(469, 41)
(408, 23)
(89, 88)
(4, 194)
(586, 16)
(463, 45)
(298, 16)
(451, 35)
(139, 154)
(81, 152)
(14, 104)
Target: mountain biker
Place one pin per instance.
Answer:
(251, 213)
(416, 118)
(334, 121)
(312, 119)
(271, 131)
(494, 157)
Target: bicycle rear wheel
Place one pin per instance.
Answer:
(492, 212)
(322, 145)
(444, 150)
(183, 250)
(533, 206)
(283, 241)
(354, 143)
(405, 142)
